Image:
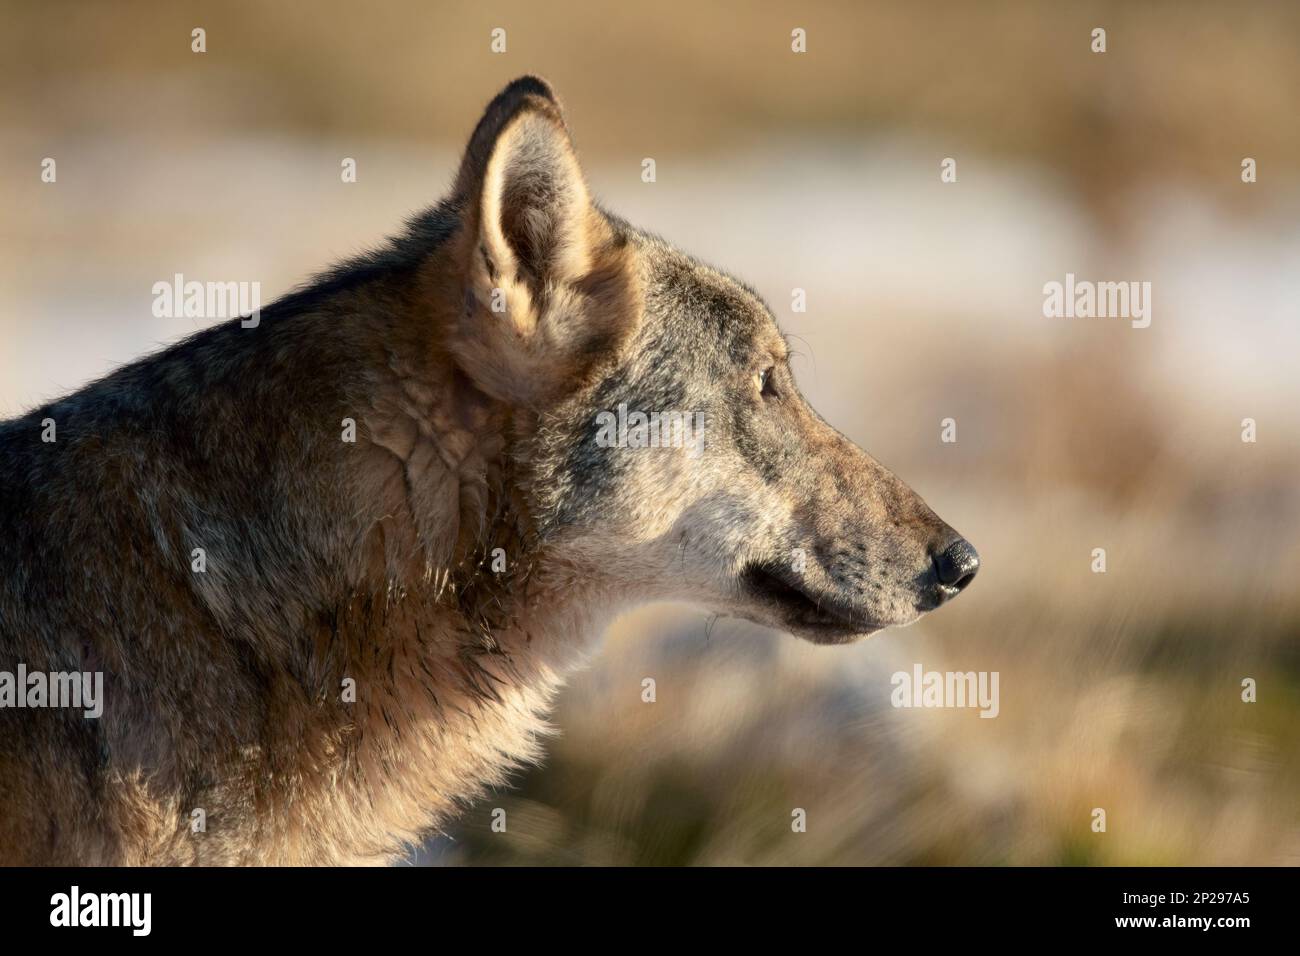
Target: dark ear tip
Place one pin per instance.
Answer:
(526, 85)
(531, 90)
(524, 93)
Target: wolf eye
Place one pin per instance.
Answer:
(766, 387)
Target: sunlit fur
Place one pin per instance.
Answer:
(370, 564)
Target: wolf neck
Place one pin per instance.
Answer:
(456, 629)
(387, 669)
(449, 705)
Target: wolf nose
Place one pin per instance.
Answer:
(956, 564)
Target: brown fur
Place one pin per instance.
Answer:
(373, 562)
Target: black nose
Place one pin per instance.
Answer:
(956, 564)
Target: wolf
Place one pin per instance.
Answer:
(333, 568)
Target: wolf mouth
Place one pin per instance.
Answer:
(819, 617)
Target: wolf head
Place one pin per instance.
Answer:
(661, 442)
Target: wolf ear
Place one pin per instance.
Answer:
(528, 196)
(549, 285)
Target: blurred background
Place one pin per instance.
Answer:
(817, 171)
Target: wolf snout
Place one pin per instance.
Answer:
(955, 565)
